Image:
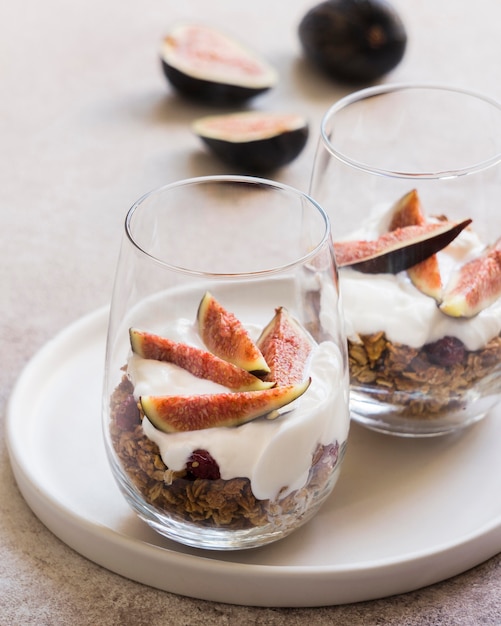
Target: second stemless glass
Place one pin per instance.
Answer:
(253, 248)
(409, 155)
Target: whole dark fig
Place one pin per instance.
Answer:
(353, 40)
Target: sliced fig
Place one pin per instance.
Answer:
(425, 276)
(202, 63)
(172, 414)
(286, 347)
(398, 250)
(474, 286)
(407, 211)
(225, 336)
(198, 362)
(353, 40)
(254, 140)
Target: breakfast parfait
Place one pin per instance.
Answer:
(223, 423)
(421, 296)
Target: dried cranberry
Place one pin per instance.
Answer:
(446, 352)
(202, 465)
(127, 414)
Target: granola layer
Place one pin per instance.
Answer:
(212, 503)
(415, 378)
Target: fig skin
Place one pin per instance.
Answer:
(194, 63)
(257, 142)
(353, 41)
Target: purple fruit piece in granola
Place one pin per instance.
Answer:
(127, 414)
(202, 465)
(446, 352)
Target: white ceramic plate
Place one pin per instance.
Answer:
(404, 514)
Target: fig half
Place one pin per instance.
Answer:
(353, 40)
(205, 64)
(399, 249)
(254, 140)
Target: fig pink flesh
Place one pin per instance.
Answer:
(398, 250)
(224, 335)
(425, 276)
(286, 348)
(198, 362)
(474, 286)
(186, 413)
(212, 55)
(247, 126)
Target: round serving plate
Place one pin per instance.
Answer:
(405, 513)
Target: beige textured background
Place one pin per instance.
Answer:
(88, 124)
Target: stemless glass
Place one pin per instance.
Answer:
(409, 155)
(255, 253)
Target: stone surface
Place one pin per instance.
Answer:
(87, 125)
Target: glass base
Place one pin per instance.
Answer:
(211, 538)
(281, 517)
(393, 419)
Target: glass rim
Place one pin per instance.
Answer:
(378, 90)
(229, 178)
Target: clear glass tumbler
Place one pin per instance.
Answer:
(400, 169)
(226, 394)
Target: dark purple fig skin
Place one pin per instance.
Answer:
(475, 285)
(354, 41)
(209, 91)
(263, 155)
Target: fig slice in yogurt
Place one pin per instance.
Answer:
(226, 337)
(286, 347)
(198, 362)
(425, 275)
(399, 249)
(475, 285)
(172, 414)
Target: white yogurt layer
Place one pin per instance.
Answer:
(391, 303)
(273, 454)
